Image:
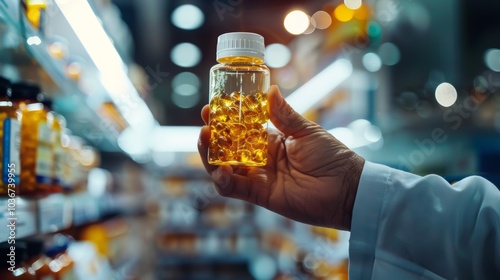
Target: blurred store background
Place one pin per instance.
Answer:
(413, 84)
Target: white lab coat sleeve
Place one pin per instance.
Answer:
(408, 227)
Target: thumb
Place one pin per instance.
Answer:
(283, 116)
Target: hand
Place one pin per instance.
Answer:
(310, 176)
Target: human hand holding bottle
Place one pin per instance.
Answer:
(310, 176)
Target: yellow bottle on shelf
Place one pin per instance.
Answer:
(238, 101)
(35, 10)
(36, 140)
(58, 124)
(9, 142)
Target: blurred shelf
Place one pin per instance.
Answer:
(175, 259)
(243, 228)
(56, 212)
(18, 218)
(97, 108)
(33, 49)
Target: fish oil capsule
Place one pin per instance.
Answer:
(238, 101)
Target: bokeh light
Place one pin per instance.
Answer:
(492, 59)
(34, 40)
(342, 13)
(186, 90)
(373, 29)
(389, 54)
(311, 27)
(418, 15)
(263, 267)
(372, 62)
(287, 78)
(362, 13)
(185, 55)
(183, 100)
(185, 78)
(446, 94)
(322, 19)
(277, 55)
(188, 17)
(353, 4)
(296, 22)
(373, 133)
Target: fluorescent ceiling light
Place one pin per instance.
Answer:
(309, 94)
(359, 133)
(175, 139)
(104, 55)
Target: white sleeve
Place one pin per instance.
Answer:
(406, 226)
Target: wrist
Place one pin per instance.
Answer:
(349, 189)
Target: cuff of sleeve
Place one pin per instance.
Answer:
(373, 183)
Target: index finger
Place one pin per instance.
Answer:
(205, 112)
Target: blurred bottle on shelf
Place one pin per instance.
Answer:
(57, 125)
(38, 261)
(78, 160)
(36, 139)
(62, 265)
(35, 12)
(88, 264)
(9, 140)
(57, 47)
(328, 233)
(109, 238)
(18, 269)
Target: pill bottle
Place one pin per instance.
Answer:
(58, 125)
(61, 265)
(238, 101)
(36, 140)
(9, 140)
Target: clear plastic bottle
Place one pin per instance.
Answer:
(36, 139)
(238, 101)
(9, 141)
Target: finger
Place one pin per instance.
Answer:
(221, 175)
(229, 184)
(203, 141)
(205, 112)
(223, 182)
(284, 117)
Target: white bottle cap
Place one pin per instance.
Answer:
(240, 44)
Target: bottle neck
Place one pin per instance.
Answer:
(241, 60)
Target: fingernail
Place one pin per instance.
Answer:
(220, 178)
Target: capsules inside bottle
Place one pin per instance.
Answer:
(238, 130)
(238, 101)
